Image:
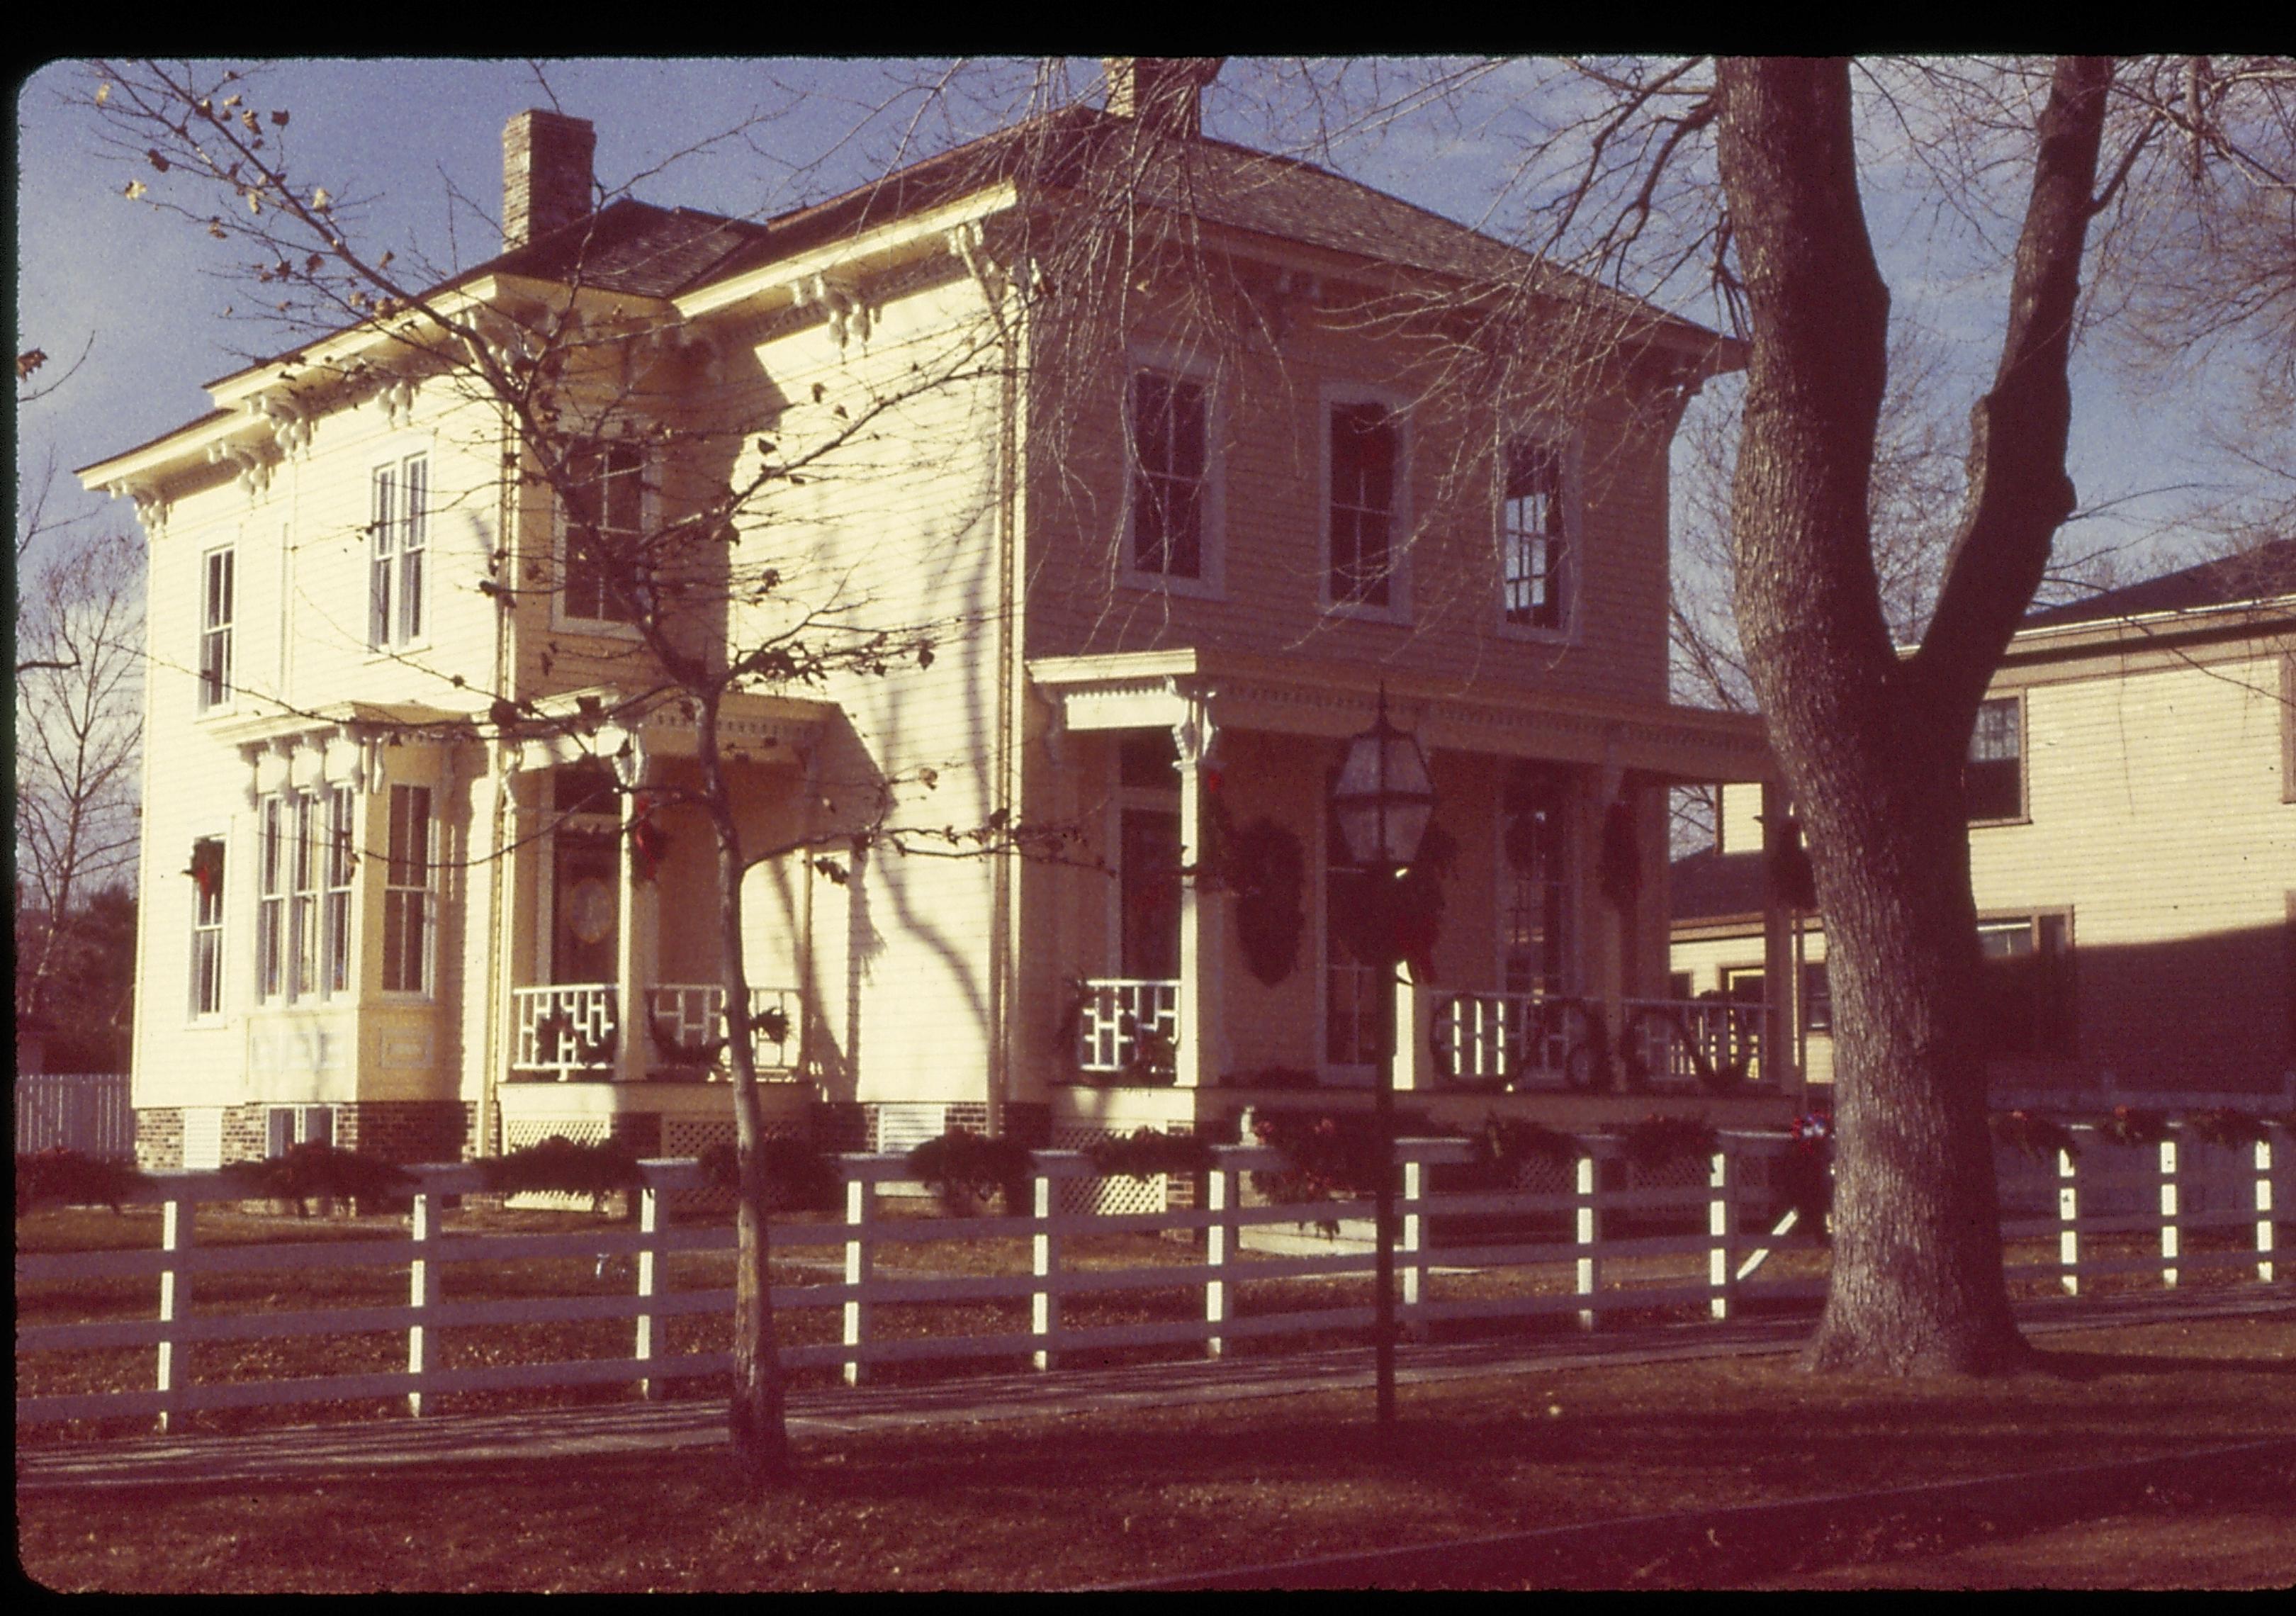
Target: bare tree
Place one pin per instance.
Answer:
(718, 589)
(79, 636)
(1747, 179)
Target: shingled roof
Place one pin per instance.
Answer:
(1076, 152)
(2266, 572)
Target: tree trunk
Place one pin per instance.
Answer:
(757, 1417)
(1872, 744)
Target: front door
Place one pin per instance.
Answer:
(586, 934)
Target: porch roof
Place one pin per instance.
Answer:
(604, 721)
(1314, 696)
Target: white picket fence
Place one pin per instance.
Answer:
(1575, 1251)
(86, 1111)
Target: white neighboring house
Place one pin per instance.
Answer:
(2132, 847)
(1166, 590)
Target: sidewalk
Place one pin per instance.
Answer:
(313, 1450)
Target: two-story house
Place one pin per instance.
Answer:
(2132, 847)
(1187, 457)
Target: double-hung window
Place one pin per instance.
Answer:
(1171, 482)
(1366, 446)
(1993, 780)
(605, 529)
(207, 926)
(303, 895)
(407, 893)
(1534, 539)
(398, 544)
(272, 857)
(215, 628)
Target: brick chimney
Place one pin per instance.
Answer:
(1164, 93)
(546, 173)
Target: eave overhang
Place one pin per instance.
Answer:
(1333, 700)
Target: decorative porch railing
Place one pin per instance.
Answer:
(1532, 1041)
(690, 1017)
(1710, 1042)
(1128, 1025)
(573, 1031)
(567, 1031)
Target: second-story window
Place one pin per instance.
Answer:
(407, 893)
(1534, 544)
(1993, 780)
(398, 544)
(606, 526)
(1366, 448)
(215, 628)
(1170, 466)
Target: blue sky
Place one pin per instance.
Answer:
(145, 286)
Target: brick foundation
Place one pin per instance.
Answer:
(159, 1139)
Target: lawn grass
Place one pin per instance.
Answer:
(1110, 1497)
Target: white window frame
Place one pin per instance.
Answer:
(398, 552)
(421, 898)
(217, 629)
(649, 506)
(1396, 607)
(306, 844)
(1565, 445)
(214, 927)
(1210, 581)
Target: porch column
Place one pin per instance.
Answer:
(1779, 989)
(640, 916)
(1204, 903)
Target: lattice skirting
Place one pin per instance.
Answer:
(1120, 1196)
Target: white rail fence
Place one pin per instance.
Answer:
(1596, 1247)
(86, 1111)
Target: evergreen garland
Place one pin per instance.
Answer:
(2132, 1125)
(560, 1166)
(2223, 1125)
(1657, 1141)
(1147, 1153)
(2034, 1136)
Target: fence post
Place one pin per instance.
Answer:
(2068, 1225)
(1410, 1246)
(1044, 1263)
(2171, 1243)
(176, 1237)
(1219, 1239)
(2264, 1242)
(860, 1216)
(422, 1294)
(1721, 1203)
(642, 1347)
(1587, 1230)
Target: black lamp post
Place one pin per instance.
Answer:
(1383, 801)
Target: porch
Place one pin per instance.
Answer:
(1130, 1033)
(1539, 982)
(571, 1032)
(614, 959)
